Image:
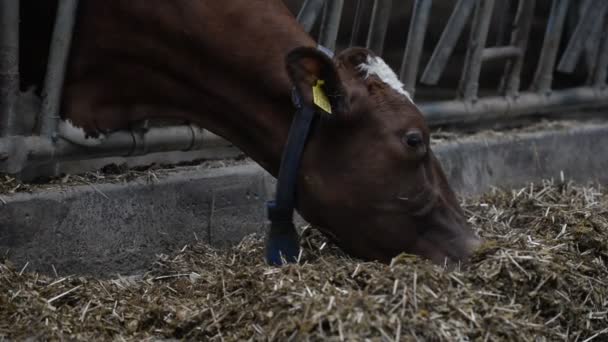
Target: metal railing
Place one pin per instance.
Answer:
(57, 64)
(9, 64)
(510, 99)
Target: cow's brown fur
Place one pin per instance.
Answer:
(229, 66)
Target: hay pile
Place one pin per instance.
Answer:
(543, 276)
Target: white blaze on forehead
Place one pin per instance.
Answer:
(377, 66)
(77, 135)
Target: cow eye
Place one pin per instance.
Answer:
(414, 141)
(413, 138)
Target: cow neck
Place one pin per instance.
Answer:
(259, 125)
(221, 67)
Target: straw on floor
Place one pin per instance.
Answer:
(541, 275)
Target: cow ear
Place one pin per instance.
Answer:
(317, 80)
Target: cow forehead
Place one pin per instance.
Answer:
(375, 65)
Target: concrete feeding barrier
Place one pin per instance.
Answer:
(99, 228)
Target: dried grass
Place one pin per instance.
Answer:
(109, 174)
(541, 276)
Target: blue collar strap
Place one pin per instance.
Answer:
(282, 240)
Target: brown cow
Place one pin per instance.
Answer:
(368, 174)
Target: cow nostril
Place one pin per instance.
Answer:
(413, 138)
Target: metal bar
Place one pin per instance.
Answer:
(447, 42)
(600, 67)
(415, 43)
(55, 73)
(503, 8)
(9, 64)
(543, 77)
(332, 14)
(583, 30)
(356, 23)
(500, 52)
(469, 83)
(591, 46)
(519, 39)
(506, 108)
(21, 150)
(381, 13)
(309, 12)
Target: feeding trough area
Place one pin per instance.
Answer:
(129, 210)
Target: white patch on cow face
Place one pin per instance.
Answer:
(77, 135)
(377, 66)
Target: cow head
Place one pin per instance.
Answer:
(368, 173)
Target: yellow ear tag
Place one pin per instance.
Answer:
(319, 97)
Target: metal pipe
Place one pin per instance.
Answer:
(469, 83)
(519, 39)
(16, 151)
(599, 72)
(498, 108)
(500, 52)
(447, 42)
(415, 44)
(381, 13)
(9, 64)
(591, 46)
(309, 12)
(581, 33)
(22, 150)
(543, 77)
(503, 8)
(55, 73)
(332, 14)
(354, 35)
